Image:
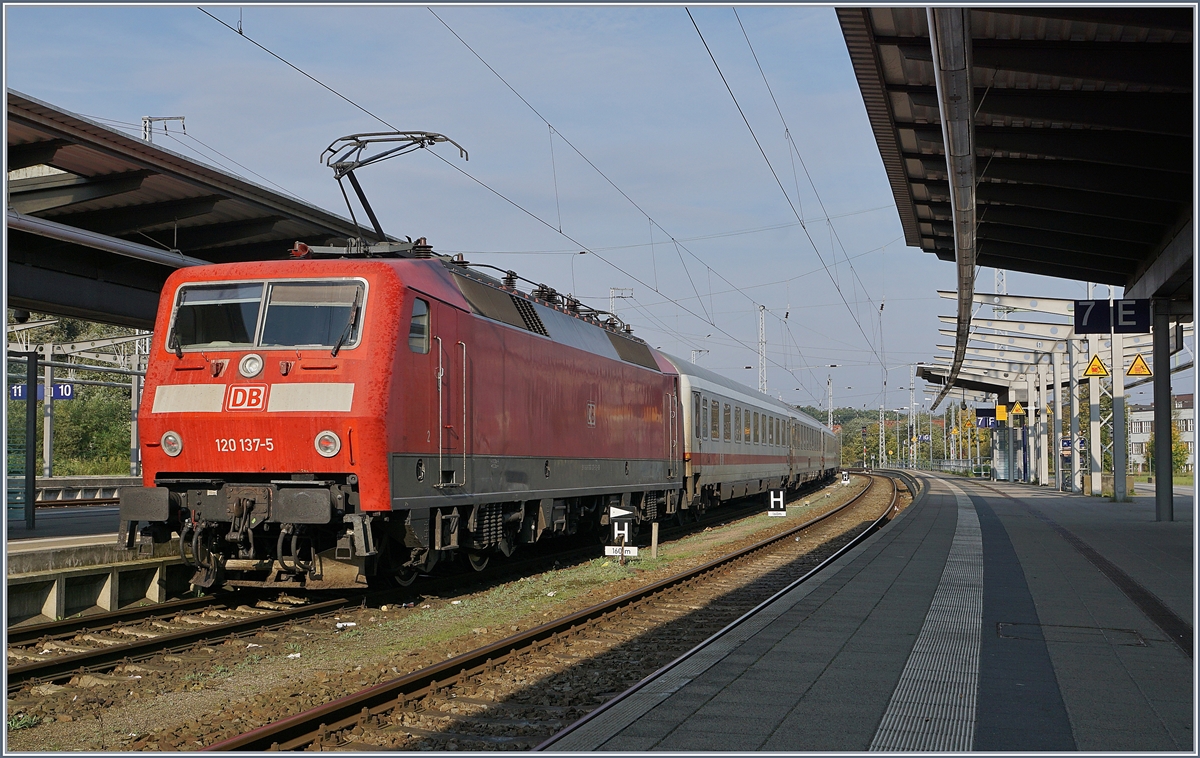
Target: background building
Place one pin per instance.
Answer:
(1141, 426)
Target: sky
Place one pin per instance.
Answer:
(615, 134)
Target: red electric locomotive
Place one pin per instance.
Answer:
(339, 419)
(363, 416)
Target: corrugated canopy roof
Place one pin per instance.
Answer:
(1084, 127)
(130, 191)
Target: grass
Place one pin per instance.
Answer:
(23, 721)
(92, 467)
(1179, 479)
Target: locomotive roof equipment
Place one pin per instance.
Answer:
(345, 154)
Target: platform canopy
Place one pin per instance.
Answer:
(1083, 129)
(97, 219)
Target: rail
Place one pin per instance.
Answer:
(311, 726)
(875, 526)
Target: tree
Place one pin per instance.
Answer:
(91, 431)
(1179, 451)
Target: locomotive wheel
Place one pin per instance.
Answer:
(478, 561)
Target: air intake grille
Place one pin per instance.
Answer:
(532, 322)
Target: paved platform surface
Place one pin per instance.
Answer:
(97, 521)
(986, 617)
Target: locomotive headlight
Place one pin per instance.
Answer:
(172, 444)
(328, 444)
(251, 365)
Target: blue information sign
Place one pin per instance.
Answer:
(60, 392)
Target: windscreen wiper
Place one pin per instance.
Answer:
(349, 325)
(174, 344)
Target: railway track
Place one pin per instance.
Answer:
(59, 650)
(515, 693)
(56, 651)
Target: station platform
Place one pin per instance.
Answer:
(71, 563)
(985, 617)
(97, 522)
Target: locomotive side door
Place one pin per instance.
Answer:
(450, 391)
(671, 421)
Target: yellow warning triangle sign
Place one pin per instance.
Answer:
(1139, 367)
(1017, 410)
(1096, 367)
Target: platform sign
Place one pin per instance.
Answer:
(60, 392)
(621, 519)
(1176, 337)
(776, 505)
(1066, 447)
(615, 550)
(1123, 317)
(1081, 444)
(985, 422)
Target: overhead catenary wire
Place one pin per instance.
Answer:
(503, 197)
(590, 163)
(787, 197)
(713, 235)
(792, 146)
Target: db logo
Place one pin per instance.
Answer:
(246, 397)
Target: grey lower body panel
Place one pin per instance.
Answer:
(415, 479)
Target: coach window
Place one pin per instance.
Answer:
(696, 415)
(728, 419)
(704, 421)
(715, 430)
(418, 328)
(756, 427)
(737, 423)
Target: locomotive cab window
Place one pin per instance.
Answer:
(312, 314)
(418, 328)
(292, 313)
(216, 315)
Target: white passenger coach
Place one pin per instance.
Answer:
(740, 442)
